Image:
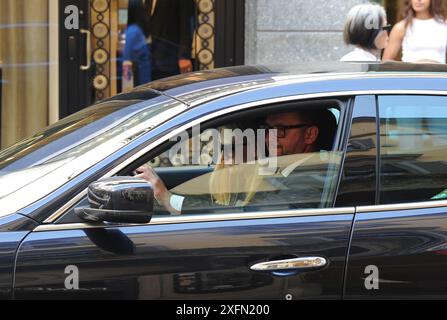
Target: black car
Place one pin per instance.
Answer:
(375, 225)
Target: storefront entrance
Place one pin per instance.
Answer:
(57, 57)
(204, 32)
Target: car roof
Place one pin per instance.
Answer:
(202, 86)
(264, 82)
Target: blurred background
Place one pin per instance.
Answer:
(48, 71)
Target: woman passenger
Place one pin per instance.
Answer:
(233, 182)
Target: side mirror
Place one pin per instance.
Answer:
(119, 200)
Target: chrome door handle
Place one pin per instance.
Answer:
(291, 264)
(88, 49)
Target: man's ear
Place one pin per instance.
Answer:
(311, 135)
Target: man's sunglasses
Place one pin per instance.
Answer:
(281, 131)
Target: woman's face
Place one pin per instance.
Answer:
(382, 39)
(421, 5)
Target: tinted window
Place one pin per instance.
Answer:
(358, 182)
(297, 181)
(205, 175)
(413, 147)
(33, 168)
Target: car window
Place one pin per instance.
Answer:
(358, 181)
(217, 167)
(33, 168)
(263, 182)
(413, 148)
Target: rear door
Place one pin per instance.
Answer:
(398, 246)
(204, 255)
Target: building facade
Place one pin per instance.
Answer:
(59, 56)
(295, 31)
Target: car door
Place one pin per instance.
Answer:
(398, 247)
(13, 229)
(207, 255)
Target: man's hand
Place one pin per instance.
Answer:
(161, 193)
(185, 65)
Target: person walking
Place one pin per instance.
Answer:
(367, 29)
(137, 49)
(171, 24)
(422, 34)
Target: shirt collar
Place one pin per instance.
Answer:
(365, 53)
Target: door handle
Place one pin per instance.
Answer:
(88, 49)
(72, 46)
(299, 264)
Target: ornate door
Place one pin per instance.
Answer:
(95, 73)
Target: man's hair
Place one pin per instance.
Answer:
(326, 123)
(363, 25)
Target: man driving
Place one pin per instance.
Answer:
(296, 132)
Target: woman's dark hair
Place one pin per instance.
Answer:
(436, 11)
(138, 14)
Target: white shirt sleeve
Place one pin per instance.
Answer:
(176, 202)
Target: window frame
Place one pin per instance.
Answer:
(49, 222)
(373, 209)
(399, 205)
(368, 102)
(339, 143)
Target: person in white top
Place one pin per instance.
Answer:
(422, 35)
(366, 28)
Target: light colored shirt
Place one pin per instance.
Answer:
(359, 55)
(289, 169)
(425, 40)
(176, 201)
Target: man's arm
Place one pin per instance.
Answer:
(171, 202)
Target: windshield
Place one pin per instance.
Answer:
(31, 169)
